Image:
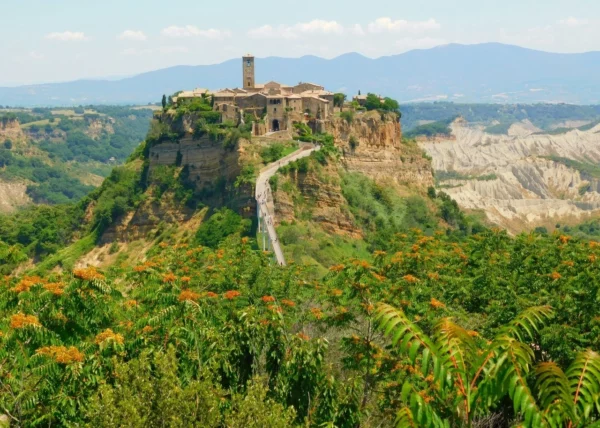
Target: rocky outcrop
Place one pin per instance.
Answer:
(12, 196)
(372, 145)
(11, 130)
(322, 201)
(521, 187)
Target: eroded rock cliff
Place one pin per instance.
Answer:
(521, 181)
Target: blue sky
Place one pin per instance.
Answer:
(62, 40)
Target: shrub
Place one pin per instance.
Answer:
(347, 115)
(221, 224)
(353, 142)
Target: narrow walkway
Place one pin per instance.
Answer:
(264, 200)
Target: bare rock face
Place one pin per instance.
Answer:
(513, 178)
(207, 162)
(12, 196)
(325, 201)
(11, 130)
(372, 145)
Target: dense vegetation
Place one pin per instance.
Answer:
(224, 338)
(441, 127)
(541, 115)
(62, 146)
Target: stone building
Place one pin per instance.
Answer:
(278, 105)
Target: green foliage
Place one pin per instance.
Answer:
(347, 115)
(431, 129)
(221, 224)
(120, 192)
(543, 116)
(587, 169)
(469, 375)
(353, 142)
(381, 212)
(441, 176)
(339, 99)
(499, 129)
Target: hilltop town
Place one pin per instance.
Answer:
(277, 105)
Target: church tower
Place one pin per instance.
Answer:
(248, 71)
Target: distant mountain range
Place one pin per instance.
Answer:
(490, 72)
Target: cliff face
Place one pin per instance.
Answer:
(317, 196)
(372, 145)
(522, 187)
(11, 130)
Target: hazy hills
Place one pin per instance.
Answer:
(489, 72)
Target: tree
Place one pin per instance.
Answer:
(164, 101)
(339, 99)
(373, 102)
(458, 376)
(8, 144)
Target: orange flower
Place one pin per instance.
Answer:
(555, 275)
(185, 279)
(140, 268)
(287, 302)
(231, 294)
(131, 303)
(569, 263)
(336, 268)
(109, 335)
(245, 240)
(274, 308)
(564, 239)
(303, 336)
(317, 313)
(410, 278)
(169, 277)
(188, 295)
(62, 354)
(267, 299)
(472, 333)
(27, 282)
(361, 263)
(436, 304)
(87, 274)
(378, 277)
(56, 288)
(433, 275)
(220, 254)
(336, 292)
(21, 320)
(211, 295)
(592, 258)
(163, 245)
(379, 253)
(147, 329)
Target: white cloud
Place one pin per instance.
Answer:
(573, 22)
(386, 24)
(68, 36)
(193, 31)
(357, 29)
(316, 26)
(137, 36)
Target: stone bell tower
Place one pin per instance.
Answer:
(248, 71)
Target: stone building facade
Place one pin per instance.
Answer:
(275, 104)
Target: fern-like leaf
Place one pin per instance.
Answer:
(584, 382)
(554, 394)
